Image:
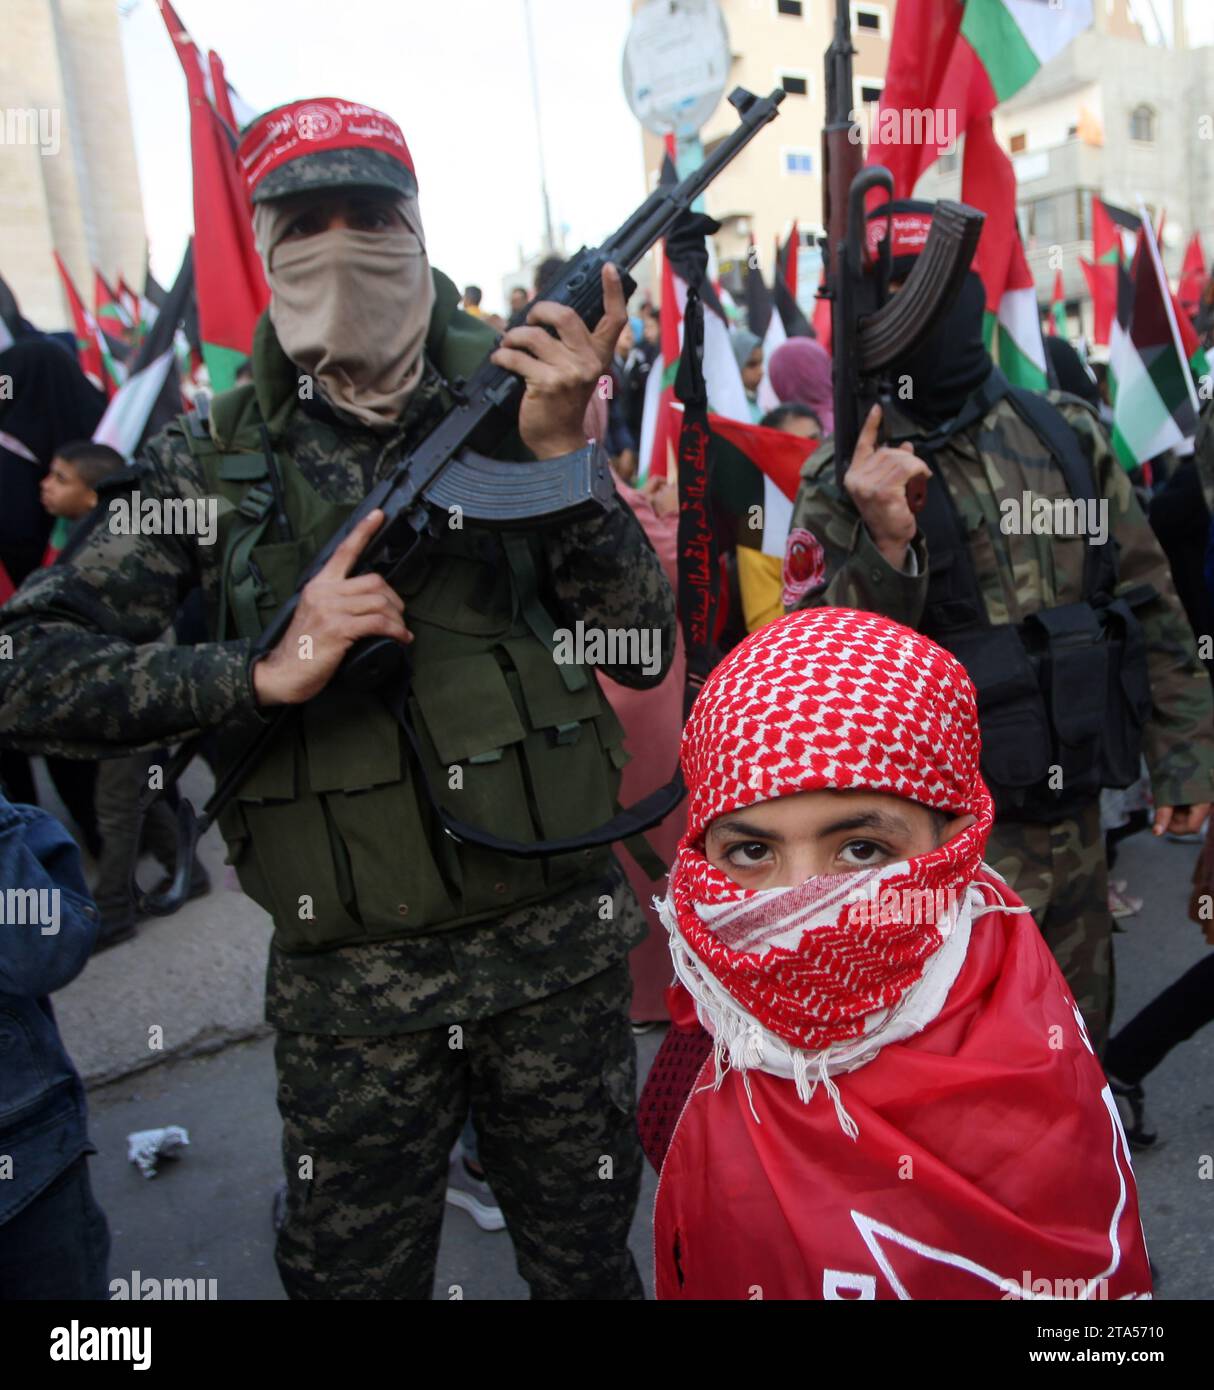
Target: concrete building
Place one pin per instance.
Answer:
(1115, 116)
(68, 178)
(778, 179)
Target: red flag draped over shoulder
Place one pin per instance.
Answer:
(231, 287)
(902, 1101)
(990, 1162)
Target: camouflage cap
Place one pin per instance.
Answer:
(324, 142)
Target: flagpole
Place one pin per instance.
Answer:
(549, 247)
(1168, 305)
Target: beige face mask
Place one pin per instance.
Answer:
(351, 308)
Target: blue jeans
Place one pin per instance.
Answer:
(59, 1246)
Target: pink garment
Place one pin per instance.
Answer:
(653, 725)
(800, 370)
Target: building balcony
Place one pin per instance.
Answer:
(1073, 164)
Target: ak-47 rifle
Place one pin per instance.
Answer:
(451, 467)
(870, 328)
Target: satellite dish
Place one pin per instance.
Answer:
(676, 64)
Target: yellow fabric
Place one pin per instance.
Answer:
(761, 581)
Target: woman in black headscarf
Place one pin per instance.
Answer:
(52, 403)
(47, 401)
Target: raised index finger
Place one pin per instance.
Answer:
(341, 562)
(615, 310)
(867, 441)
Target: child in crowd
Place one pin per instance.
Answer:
(896, 1097)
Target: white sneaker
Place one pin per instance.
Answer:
(473, 1195)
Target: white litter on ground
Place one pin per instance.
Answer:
(146, 1147)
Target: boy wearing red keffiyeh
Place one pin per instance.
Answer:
(834, 929)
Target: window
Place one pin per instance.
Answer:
(870, 19)
(1142, 124)
(1018, 143)
(794, 86)
(793, 8)
(798, 161)
(1059, 218)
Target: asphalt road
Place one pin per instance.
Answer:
(207, 1214)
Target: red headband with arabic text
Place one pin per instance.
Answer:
(909, 231)
(312, 126)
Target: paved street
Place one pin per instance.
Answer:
(208, 1214)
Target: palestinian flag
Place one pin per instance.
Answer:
(1102, 286)
(764, 322)
(230, 286)
(755, 474)
(1192, 277)
(955, 62)
(1155, 404)
(88, 336)
(784, 289)
(1114, 233)
(151, 395)
(732, 313)
(1056, 323)
(760, 307)
(1013, 321)
(115, 327)
(1013, 39)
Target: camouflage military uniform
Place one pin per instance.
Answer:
(373, 1087)
(1059, 870)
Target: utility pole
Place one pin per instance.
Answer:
(549, 245)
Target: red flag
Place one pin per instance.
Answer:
(774, 452)
(88, 344)
(131, 302)
(791, 247)
(1056, 322)
(822, 318)
(1038, 1202)
(1192, 276)
(928, 71)
(111, 314)
(231, 287)
(1102, 286)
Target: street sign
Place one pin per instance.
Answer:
(676, 64)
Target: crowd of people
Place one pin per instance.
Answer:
(883, 909)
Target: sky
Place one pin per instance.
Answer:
(452, 73)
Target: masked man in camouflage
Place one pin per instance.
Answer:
(410, 974)
(1033, 563)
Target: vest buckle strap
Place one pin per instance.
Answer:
(564, 735)
(257, 502)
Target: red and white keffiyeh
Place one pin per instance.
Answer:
(815, 978)
(974, 1149)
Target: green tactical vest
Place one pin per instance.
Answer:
(334, 834)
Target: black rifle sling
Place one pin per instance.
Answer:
(625, 824)
(939, 521)
(1044, 419)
